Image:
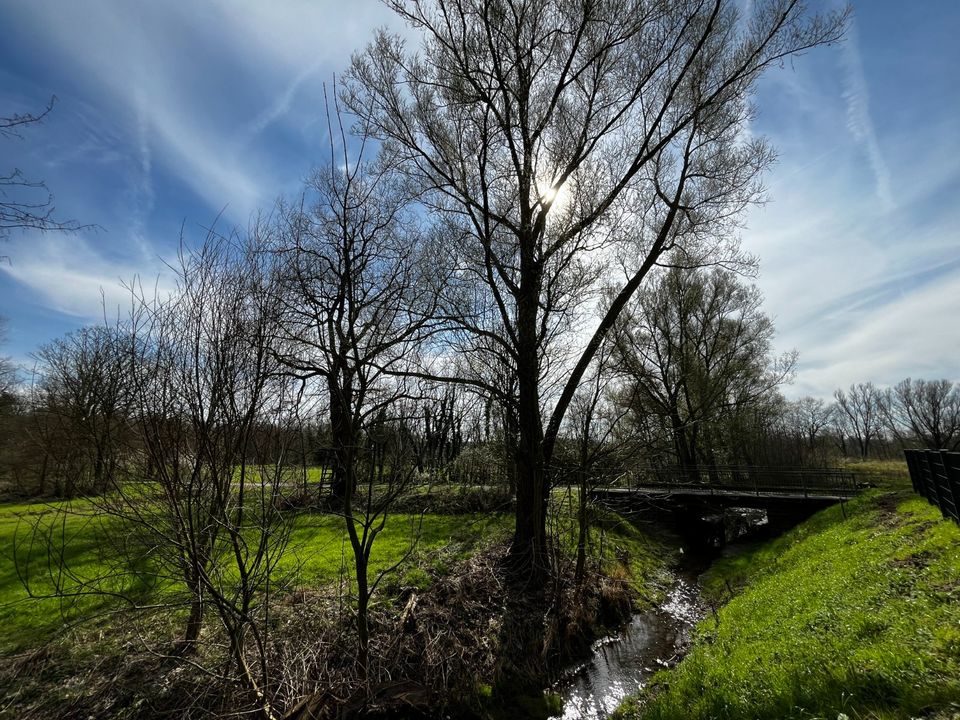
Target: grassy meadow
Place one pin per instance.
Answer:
(104, 573)
(318, 554)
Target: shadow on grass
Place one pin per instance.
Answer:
(63, 565)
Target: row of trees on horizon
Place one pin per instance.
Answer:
(688, 379)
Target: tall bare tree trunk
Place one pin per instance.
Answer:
(529, 550)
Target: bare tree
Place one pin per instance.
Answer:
(206, 383)
(805, 424)
(8, 371)
(439, 438)
(26, 203)
(192, 517)
(567, 145)
(80, 408)
(925, 410)
(11, 430)
(697, 347)
(354, 292)
(858, 415)
(593, 422)
(809, 417)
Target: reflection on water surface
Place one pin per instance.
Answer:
(620, 665)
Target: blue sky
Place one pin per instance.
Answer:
(170, 113)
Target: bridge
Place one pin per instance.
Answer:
(738, 486)
(695, 497)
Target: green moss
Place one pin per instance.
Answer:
(554, 705)
(856, 616)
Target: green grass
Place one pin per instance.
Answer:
(858, 616)
(627, 552)
(319, 546)
(317, 554)
(632, 554)
(26, 621)
(886, 474)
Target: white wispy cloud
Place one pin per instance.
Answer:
(148, 63)
(144, 196)
(913, 336)
(161, 122)
(859, 121)
(69, 274)
(864, 291)
(281, 105)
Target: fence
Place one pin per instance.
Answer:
(935, 475)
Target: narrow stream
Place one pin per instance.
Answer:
(621, 664)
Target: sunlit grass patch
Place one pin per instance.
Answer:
(42, 540)
(60, 564)
(319, 550)
(889, 474)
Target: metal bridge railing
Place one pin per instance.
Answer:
(759, 480)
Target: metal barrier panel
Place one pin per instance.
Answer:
(935, 464)
(913, 466)
(935, 474)
(926, 479)
(950, 483)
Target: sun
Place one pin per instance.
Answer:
(554, 197)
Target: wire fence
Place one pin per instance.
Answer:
(935, 475)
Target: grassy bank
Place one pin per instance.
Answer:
(857, 615)
(636, 557)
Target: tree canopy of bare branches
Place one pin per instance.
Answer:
(566, 146)
(858, 415)
(8, 371)
(925, 410)
(355, 297)
(26, 203)
(696, 345)
(81, 402)
(209, 401)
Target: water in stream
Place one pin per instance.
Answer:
(621, 664)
